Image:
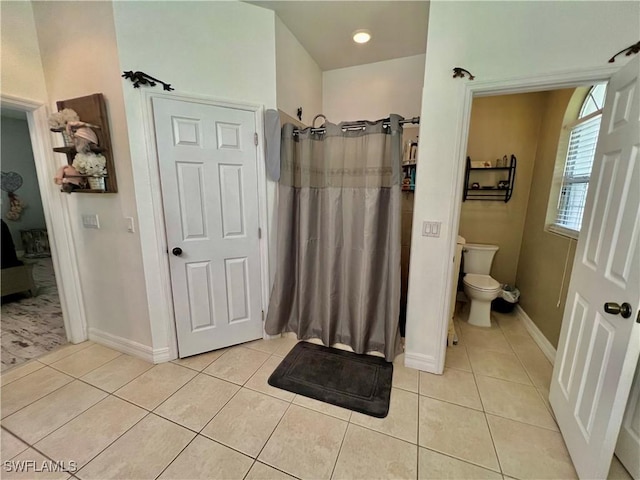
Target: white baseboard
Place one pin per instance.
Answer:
(426, 363)
(538, 337)
(130, 347)
(161, 355)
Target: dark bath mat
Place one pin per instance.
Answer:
(361, 383)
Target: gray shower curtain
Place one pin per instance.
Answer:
(338, 250)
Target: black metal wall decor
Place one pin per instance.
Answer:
(630, 50)
(141, 78)
(458, 72)
(299, 113)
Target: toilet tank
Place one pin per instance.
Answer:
(478, 258)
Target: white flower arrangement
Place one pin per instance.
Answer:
(90, 164)
(58, 120)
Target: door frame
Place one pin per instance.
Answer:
(156, 264)
(528, 84)
(57, 218)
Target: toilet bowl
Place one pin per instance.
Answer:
(481, 291)
(478, 285)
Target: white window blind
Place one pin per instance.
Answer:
(577, 172)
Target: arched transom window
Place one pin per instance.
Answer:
(583, 139)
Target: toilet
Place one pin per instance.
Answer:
(479, 287)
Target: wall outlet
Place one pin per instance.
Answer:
(90, 221)
(431, 229)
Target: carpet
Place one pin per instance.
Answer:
(361, 383)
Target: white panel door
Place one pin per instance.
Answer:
(628, 447)
(598, 351)
(208, 170)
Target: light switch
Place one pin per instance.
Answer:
(431, 229)
(90, 221)
(130, 224)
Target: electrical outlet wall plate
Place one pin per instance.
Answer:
(130, 224)
(431, 229)
(90, 221)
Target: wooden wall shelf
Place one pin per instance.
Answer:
(92, 109)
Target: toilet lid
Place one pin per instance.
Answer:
(481, 282)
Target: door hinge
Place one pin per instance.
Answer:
(259, 232)
(255, 138)
(263, 315)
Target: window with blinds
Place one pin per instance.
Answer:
(577, 171)
(578, 164)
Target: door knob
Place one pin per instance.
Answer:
(177, 251)
(615, 309)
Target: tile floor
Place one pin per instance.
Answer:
(33, 326)
(214, 416)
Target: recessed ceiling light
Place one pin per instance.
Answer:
(361, 36)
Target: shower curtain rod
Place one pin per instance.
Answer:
(361, 124)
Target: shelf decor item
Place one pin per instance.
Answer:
(93, 165)
(90, 167)
(12, 181)
(58, 123)
(96, 182)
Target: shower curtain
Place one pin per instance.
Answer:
(338, 250)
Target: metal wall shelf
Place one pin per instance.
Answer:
(489, 192)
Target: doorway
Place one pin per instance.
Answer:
(32, 321)
(615, 117)
(210, 172)
(62, 274)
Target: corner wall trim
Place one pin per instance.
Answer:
(129, 346)
(426, 363)
(538, 337)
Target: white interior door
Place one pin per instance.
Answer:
(598, 351)
(628, 447)
(208, 170)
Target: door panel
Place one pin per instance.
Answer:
(199, 286)
(192, 201)
(598, 351)
(208, 168)
(231, 193)
(628, 447)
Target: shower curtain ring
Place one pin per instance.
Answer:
(313, 124)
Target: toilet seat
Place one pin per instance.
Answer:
(481, 282)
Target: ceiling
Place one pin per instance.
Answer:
(325, 29)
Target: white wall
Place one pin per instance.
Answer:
(298, 76)
(79, 57)
(495, 41)
(21, 71)
(221, 50)
(17, 156)
(374, 90)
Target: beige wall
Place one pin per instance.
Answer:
(218, 50)
(500, 126)
(80, 57)
(298, 76)
(22, 74)
(497, 41)
(374, 90)
(543, 255)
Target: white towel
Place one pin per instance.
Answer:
(272, 140)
